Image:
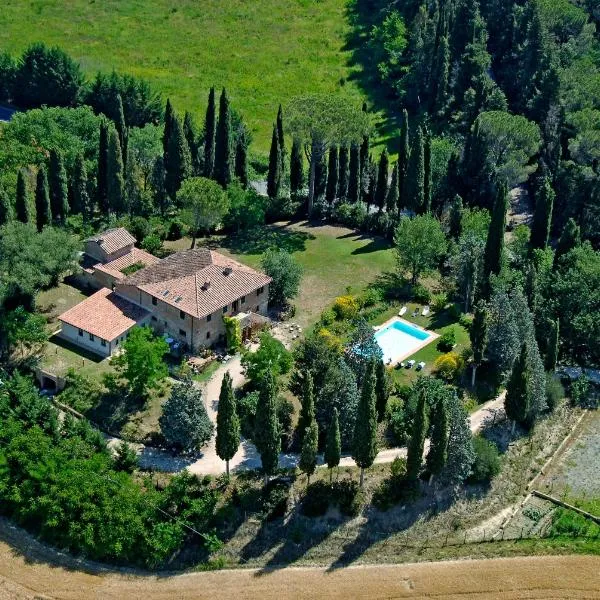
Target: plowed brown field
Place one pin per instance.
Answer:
(28, 571)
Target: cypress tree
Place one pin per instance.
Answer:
(531, 287)
(241, 162)
(364, 166)
(81, 199)
(310, 447)
(438, 446)
(210, 127)
(121, 127)
(343, 174)
(274, 174)
(266, 428)
(228, 423)
(43, 214)
(443, 75)
(178, 165)
(169, 116)
(456, 215)
(321, 178)
(364, 445)
(542, 217)
(478, 335)
(416, 444)
(161, 197)
(427, 183)
(403, 159)
(5, 208)
(569, 239)
(281, 139)
(354, 174)
(332, 176)
(382, 390)
(223, 170)
(22, 199)
(381, 189)
(296, 169)
(391, 201)
(371, 178)
(415, 184)
(553, 346)
(307, 411)
(494, 246)
(115, 175)
(191, 136)
(333, 447)
(59, 191)
(516, 401)
(102, 175)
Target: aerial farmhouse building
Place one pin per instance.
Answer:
(183, 296)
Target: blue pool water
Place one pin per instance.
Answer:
(398, 339)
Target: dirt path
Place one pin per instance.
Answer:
(29, 570)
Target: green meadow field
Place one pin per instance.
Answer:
(263, 51)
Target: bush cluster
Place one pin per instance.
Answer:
(320, 495)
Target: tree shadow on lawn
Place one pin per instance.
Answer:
(114, 408)
(362, 15)
(260, 240)
(374, 245)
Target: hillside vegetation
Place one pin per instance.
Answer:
(264, 52)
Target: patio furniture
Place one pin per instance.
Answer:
(402, 311)
(410, 364)
(420, 366)
(415, 312)
(425, 311)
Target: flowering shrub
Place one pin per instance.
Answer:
(448, 365)
(345, 307)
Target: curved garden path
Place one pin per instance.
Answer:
(247, 457)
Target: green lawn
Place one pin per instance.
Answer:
(264, 51)
(333, 258)
(57, 300)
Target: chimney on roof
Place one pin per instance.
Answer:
(227, 271)
(206, 285)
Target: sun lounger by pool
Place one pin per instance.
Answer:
(410, 364)
(402, 311)
(425, 311)
(420, 366)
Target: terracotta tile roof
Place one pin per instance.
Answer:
(104, 314)
(180, 280)
(115, 267)
(112, 240)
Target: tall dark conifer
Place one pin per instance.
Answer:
(403, 158)
(552, 347)
(274, 173)
(267, 436)
(382, 181)
(191, 136)
(102, 174)
(81, 199)
(364, 444)
(494, 246)
(415, 184)
(59, 190)
(22, 211)
(296, 169)
(416, 444)
(210, 128)
(228, 423)
(391, 201)
(169, 116)
(542, 217)
(569, 239)
(354, 174)
(438, 446)
(43, 214)
(121, 126)
(223, 143)
(427, 182)
(178, 165)
(364, 166)
(332, 176)
(241, 162)
(115, 175)
(281, 138)
(344, 174)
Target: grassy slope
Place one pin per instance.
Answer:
(264, 52)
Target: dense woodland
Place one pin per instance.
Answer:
(488, 183)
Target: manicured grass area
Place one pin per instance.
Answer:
(333, 258)
(264, 52)
(57, 300)
(60, 356)
(207, 373)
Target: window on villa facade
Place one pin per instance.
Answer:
(91, 337)
(154, 318)
(260, 290)
(243, 300)
(103, 342)
(209, 318)
(181, 314)
(208, 335)
(224, 309)
(80, 332)
(182, 333)
(154, 301)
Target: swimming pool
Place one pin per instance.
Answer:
(400, 339)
